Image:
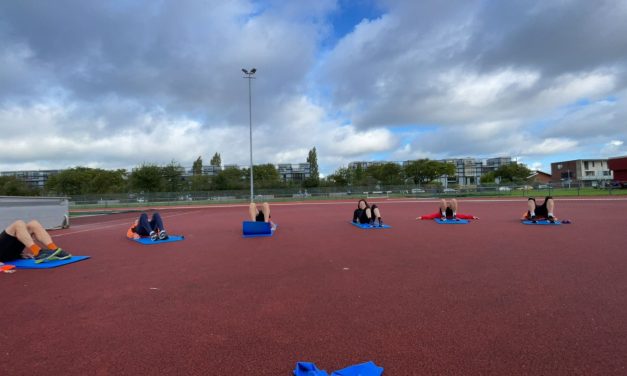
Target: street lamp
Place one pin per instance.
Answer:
(249, 76)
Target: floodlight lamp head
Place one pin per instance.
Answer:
(245, 71)
(252, 71)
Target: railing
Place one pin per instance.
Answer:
(143, 200)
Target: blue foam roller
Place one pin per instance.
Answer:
(253, 229)
(452, 221)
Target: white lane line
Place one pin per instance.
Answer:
(116, 223)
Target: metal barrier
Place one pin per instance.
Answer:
(51, 212)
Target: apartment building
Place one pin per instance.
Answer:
(593, 172)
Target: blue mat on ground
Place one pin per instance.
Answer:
(366, 226)
(452, 221)
(30, 263)
(252, 229)
(364, 369)
(543, 222)
(170, 239)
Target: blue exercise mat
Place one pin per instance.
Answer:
(452, 221)
(543, 222)
(308, 369)
(366, 226)
(364, 369)
(30, 263)
(170, 239)
(253, 229)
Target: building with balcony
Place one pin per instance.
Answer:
(294, 172)
(589, 172)
(35, 179)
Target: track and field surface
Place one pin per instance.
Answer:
(493, 297)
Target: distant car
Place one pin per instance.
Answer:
(417, 190)
(505, 189)
(449, 190)
(525, 188)
(544, 186)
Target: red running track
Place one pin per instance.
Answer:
(494, 297)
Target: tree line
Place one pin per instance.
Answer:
(151, 178)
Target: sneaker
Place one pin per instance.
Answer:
(60, 255)
(371, 223)
(153, 236)
(533, 219)
(380, 223)
(46, 255)
(551, 218)
(163, 235)
(443, 218)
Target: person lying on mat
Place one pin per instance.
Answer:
(366, 214)
(152, 228)
(260, 214)
(19, 240)
(448, 211)
(538, 212)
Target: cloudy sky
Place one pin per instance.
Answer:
(114, 84)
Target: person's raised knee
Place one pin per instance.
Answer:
(19, 223)
(33, 223)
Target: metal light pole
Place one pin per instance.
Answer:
(249, 76)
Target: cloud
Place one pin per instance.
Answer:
(614, 148)
(418, 79)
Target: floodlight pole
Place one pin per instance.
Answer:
(249, 76)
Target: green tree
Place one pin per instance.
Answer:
(314, 175)
(200, 183)
(216, 160)
(11, 186)
(488, 177)
(264, 176)
(173, 177)
(107, 181)
(147, 178)
(85, 180)
(197, 166)
(361, 177)
(386, 173)
(513, 172)
(341, 177)
(229, 179)
(423, 171)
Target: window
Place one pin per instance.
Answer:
(589, 173)
(606, 173)
(585, 165)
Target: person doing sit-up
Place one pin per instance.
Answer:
(544, 211)
(152, 228)
(19, 240)
(366, 214)
(260, 215)
(448, 211)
